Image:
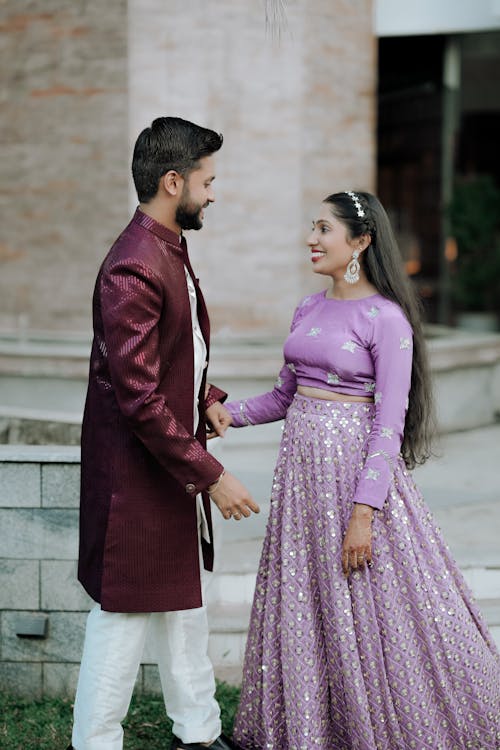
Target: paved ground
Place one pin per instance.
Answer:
(462, 487)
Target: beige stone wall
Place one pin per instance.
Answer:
(298, 119)
(83, 78)
(63, 150)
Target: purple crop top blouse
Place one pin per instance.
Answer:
(358, 347)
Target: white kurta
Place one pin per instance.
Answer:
(200, 362)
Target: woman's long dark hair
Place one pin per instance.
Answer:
(383, 266)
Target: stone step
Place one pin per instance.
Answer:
(236, 562)
(228, 632)
(231, 588)
(239, 556)
(490, 609)
(484, 582)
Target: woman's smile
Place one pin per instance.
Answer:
(317, 254)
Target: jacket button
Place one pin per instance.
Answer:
(190, 487)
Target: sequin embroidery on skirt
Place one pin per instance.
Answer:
(397, 656)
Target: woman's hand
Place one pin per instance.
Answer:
(219, 419)
(357, 547)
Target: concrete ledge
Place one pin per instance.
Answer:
(466, 368)
(39, 454)
(463, 349)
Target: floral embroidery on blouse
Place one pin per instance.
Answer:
(279, 382)
(369, 387)
(404, 343)
(373, 312)
(314, 332)
(291, 366)
(378, 397)
(386, 432)
(349, 346)
(372, 474)
(332, 378)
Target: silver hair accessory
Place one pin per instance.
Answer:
(356, 201)
(352, 273)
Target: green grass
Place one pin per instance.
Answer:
(46, 724)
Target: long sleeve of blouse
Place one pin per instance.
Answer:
(391, 349)
(271, 406)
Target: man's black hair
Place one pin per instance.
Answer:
(170, 143)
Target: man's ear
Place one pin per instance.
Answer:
(172, 182)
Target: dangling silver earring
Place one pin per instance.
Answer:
(352, 273)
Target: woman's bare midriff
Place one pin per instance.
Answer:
(306, 390)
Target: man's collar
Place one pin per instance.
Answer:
(176, 241)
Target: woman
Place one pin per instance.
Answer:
(363, 633)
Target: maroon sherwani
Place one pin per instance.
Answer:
(142, 467)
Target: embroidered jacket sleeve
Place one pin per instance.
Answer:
(131, 304)
(214, 394)
(392, 350)
(270, 406)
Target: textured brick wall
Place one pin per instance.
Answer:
(82, 78)
(63, 148)
(298, 121)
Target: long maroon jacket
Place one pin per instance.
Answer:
(141, 464)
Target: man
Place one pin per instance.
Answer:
(145, 511)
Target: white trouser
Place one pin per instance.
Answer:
(114, 643)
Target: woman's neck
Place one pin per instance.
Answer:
(340, 289)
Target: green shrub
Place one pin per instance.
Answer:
(475, 224)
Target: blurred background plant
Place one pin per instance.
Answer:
(475, 225)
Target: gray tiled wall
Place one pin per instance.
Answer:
(39, 487)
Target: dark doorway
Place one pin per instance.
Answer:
(410, 117)
(409, 152)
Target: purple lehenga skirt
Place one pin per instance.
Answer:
(395, 657)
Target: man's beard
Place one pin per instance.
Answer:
(187, 214)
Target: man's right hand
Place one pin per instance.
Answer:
(232, 498)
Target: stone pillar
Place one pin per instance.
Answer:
(297, 114)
